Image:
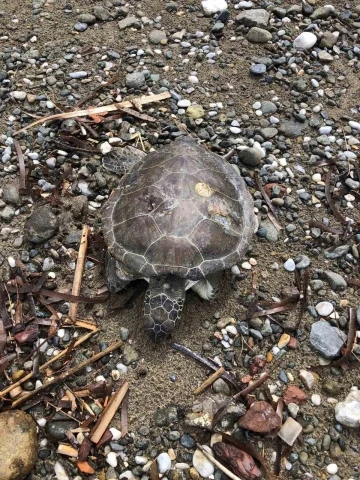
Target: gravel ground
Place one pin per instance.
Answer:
(244, 79)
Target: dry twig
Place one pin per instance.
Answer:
(22, 176)
(209, 381)
(79, 270)
(107, 415)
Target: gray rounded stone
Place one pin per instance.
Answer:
(41, 225)
(157, 36)
(258, 35)
(135, 80)
(249, 157)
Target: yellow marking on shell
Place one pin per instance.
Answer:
(203, 190)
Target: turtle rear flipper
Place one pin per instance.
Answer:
(121, 160)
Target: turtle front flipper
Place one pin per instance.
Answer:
(164, 301)
(122, 160)
(116, 279)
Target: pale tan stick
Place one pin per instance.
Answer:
(108, 413)
(81, 324)
(52, 360)
(68, 373)
(68, 450)
(209, 381)
(79, 270)
(98, 110)
(218, 464)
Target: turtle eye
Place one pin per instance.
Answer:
(166, 286)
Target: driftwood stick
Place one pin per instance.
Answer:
(68, 373)
(97, 110)
(79, 270)
(217, 464)
(209, 381)
(107, 415)
(47, 364)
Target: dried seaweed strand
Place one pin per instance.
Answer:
(325, 228)
(267, 201)
(96, 110)
(57, 296)
(330, 200)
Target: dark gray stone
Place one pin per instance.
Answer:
(41, 225)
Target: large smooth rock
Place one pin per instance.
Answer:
(257, 17)
(348, 412)
(18, 445)
(327, 340)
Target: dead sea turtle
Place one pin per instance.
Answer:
(179, 217)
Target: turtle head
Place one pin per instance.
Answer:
(164, 301)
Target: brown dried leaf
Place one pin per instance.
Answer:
(260, 418)
(238, 461)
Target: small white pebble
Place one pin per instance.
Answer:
(61, 332)
(116, 434)
(316, 399)
(12, 262)
(332, 468)
(60, 472)
(140, 460)
(122, 368)
(316, 177)
(41, 422)
(111, 459)
(100, 378)
(246, 266)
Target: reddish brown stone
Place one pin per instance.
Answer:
(293, 343)
(257, 365)
(294, 394)
(261, 418)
